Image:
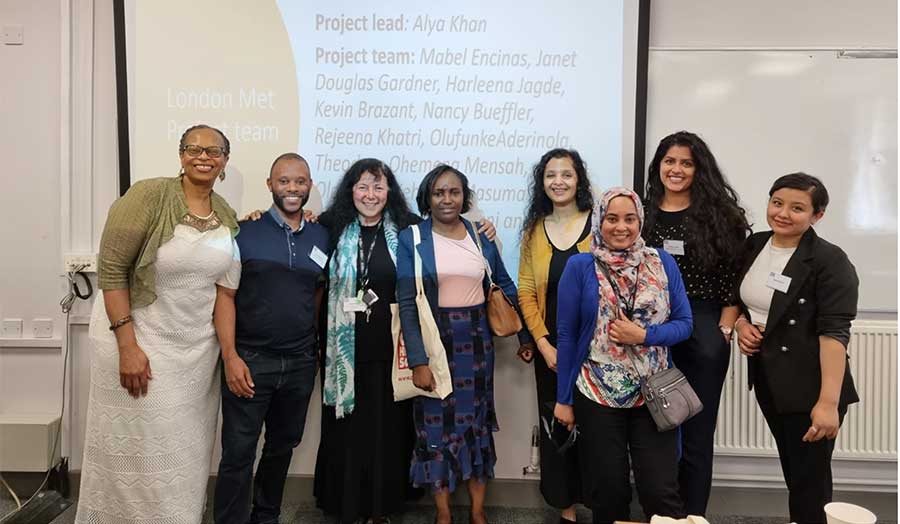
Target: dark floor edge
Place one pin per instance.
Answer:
(525, 493)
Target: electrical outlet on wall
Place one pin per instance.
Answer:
(12, 328)
(13, 34)
(74, 260)
(42, 327)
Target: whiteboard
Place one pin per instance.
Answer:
(768, 113)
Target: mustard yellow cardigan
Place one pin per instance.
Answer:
(534, 269)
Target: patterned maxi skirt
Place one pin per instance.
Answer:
(455, 440)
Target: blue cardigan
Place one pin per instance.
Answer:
(406, 284)
(576, 317)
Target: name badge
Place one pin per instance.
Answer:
(369, 297)
(354, 305)
(318, 257)
(674, 247)
(778, 282)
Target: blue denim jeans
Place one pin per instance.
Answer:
(283, 385)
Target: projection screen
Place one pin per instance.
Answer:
(487, 87)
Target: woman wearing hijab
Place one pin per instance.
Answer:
(620, 307)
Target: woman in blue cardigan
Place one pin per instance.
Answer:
(455, 435)
(620, 306)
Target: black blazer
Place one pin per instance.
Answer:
(821, 300)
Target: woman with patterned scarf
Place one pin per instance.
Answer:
(362, 467)
(620, 307)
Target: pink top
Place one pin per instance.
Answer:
(460, 270)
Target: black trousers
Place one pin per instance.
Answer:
(806, 465)
(283, 386)
(560, 474)
(608, 438)
(704, 360)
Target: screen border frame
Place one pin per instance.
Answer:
(640, 109)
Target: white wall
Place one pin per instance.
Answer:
(774, 23)
(59, 150)
(29, 213)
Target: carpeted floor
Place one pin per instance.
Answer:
(308, 514)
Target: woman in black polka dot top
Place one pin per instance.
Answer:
(693, 213)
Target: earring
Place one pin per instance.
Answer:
(222, 176)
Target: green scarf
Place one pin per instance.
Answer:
(340, 351)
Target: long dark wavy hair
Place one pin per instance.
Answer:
(540, 204)
(715, 222)
(341, 211)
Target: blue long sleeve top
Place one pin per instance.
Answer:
(576, 317)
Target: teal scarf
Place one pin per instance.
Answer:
(340, 352)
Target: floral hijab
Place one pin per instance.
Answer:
(621, 263)
(639, 280)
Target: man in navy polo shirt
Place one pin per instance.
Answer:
(269, 350)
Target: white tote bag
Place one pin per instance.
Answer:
(401, 374)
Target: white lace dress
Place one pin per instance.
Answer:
(146, 460)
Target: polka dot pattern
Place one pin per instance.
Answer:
(700, 284)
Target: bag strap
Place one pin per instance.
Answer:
(417, 239)
(487, 267)
(629, 349)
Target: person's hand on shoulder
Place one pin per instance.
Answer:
(487, 227)
(253, 216)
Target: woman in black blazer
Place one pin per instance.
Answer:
(798, 296)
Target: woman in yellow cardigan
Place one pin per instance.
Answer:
(556, 227)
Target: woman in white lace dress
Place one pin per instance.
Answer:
(167, 252)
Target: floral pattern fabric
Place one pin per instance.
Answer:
(608, 376)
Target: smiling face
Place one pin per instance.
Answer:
(370, 195)
(790, 213)
(447, 198)
(621, 224)
(560, 181)
(290, 184)
(676, 169)
(202, 169)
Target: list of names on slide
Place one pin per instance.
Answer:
(421, 88)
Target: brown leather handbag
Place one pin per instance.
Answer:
(501, 312)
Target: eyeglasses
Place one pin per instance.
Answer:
(195, 151)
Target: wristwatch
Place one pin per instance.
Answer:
(727, 331)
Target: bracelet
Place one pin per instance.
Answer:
(121, 322)
(739, 319)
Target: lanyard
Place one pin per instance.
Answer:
(629, 308)
(365, 259)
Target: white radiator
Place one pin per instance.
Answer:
(869, 431)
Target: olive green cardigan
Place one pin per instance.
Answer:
(138, 224)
